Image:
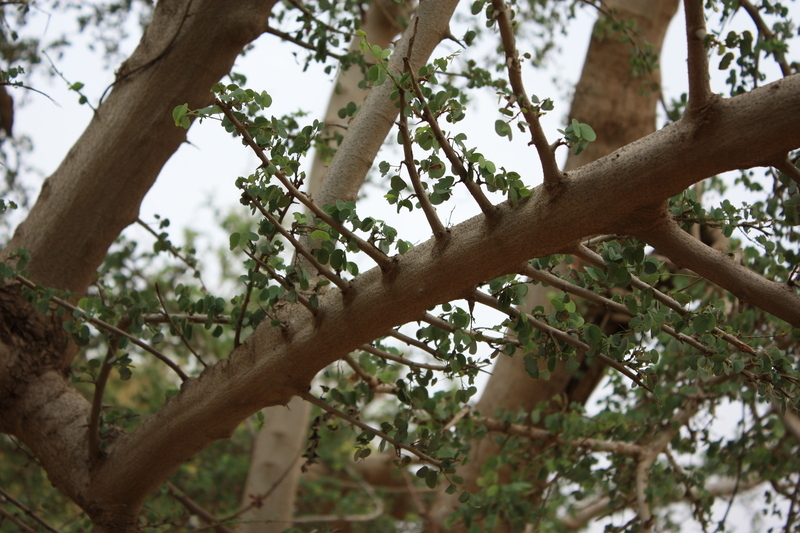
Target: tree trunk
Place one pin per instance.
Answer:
(621, 109)
(82, 208)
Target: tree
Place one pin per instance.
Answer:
(656, 286)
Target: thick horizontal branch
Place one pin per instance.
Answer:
(602, 197)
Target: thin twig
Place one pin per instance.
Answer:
(766, 33)
(400, 359)
(195, 509)
(424, 201)
(21, 506)
(323, 270)
(616, 447)
(19, 523)
(177, 330)
(112, 329)
(290, 38)
(93, 431)
(348, 518)
(310, 398)
(381, 259)
(699, 80)
(552, 174)
(595, 259)
(491, 301)
(374, 383)
(174, 251)
(285, 284)
(474, 189)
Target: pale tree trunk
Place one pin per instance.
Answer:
(609, 99)
(275, 461)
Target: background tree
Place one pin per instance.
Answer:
(680, 350)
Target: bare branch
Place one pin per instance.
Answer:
(195, 509)
(699, 80)
(22, 507)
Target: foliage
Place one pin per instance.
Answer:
(684, 351)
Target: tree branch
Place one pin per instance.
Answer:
(310, 398)
(699, 80)
(552, 174)
(273, 364)
(667, 237)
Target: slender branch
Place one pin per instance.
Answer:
(177, 330)
(699, 81)
(366, 517)
(285, 284)
(310, 398)
(21, 506)
(174, 251)
(642, 480)
(424, 201)
(374, 383)
(474, 189)
(668, 238)
(787, 167)
(413, 342)
(93, 431)
(766, 33)
(663, 298)
(196, 509)
(323, 270)
(292, 39)
(112, 329)
(446, 326)
(552, 174)
(237, 333)
(381, 259)
(616, 447)
(563, 336)
(194, 319)
(19, 523)
(400, 359)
